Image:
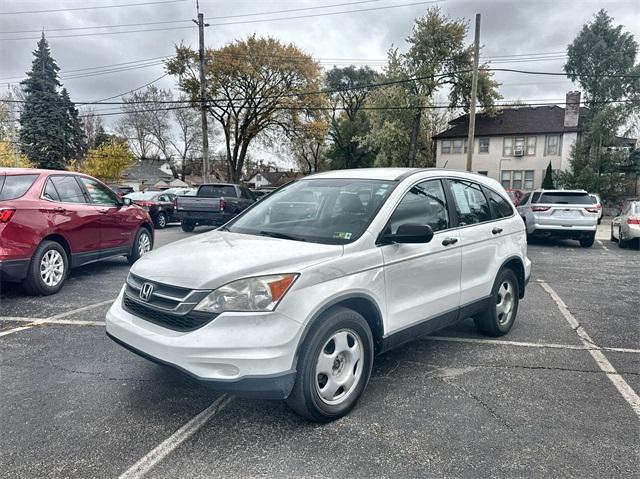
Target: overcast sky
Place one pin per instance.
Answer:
(509, 27)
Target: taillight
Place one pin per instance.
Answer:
(592, 209)
(223, 204)
(540, 208)
(6, 214)
(632, 220)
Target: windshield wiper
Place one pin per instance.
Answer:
(224, 228)
(275, 234)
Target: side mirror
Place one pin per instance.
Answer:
(126, 201)
(409, 233)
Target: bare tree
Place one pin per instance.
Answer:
(188, 134)
(92, 126)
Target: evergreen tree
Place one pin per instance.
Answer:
(50, 132)
(75, 140)
(547, 182)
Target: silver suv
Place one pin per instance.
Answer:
(568, 214)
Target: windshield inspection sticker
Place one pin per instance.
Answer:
(342, 235)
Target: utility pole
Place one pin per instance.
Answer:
(203, 100)
(474, 93)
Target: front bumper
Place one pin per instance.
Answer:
(14, 269)
(247, 354)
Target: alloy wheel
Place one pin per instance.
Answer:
(52, 268)
(162, 221)
(144, 244)
(505, 302)
(339, 367)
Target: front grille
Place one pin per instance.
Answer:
(177, 322)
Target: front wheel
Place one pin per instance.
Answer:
(501, 313)
(48, 269)
(141, 246)
(161, 222)
(334, 366)
(621, 242)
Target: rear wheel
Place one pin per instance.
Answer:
(48, 269)
(588, 241)
(499, 317)
(187, 226)
(161, 222)
(613, 238)
(621, 242)
(333, 367)
(141, 246)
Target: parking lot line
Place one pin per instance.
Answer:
(75, 311)
(625, 390)
(153, 457)
(14, 330)
(603, 246)
(526, 344)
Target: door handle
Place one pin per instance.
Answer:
(496, 230)
(448, 241)
(59, 209)
(104, 211)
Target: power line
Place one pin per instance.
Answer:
(128, 91)
(168, 22)
(232, 23)
(97, 7)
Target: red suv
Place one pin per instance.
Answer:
(51, 221)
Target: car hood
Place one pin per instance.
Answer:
(209, 260)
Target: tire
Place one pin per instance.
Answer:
(142, 245)
(621, 243)
(187, 226)
(613, 238)
(48, 270)
(499, 317)
(316, 395)
(161, 221)
(588, 241)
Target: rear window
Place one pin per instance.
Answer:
(566, 198)
(217, 191)
(14, 186)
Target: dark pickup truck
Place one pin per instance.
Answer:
(214, 204)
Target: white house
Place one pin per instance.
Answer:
(516, 145)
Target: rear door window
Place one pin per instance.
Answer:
(14, 186)
(50, 192)
(501, 207)
(217, 191)
(565, 198)
(471, 204)
(68, 189)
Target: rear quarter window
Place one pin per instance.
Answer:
(14, 186)
(568, 198)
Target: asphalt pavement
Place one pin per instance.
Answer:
(557, 397)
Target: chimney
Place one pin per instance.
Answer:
(572, 109)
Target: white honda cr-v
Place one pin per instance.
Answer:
(293, 298)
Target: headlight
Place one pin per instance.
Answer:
(251, 294)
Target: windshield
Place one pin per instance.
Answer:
(217, 191)
(329, 211)
(149, 195)
(566, 198)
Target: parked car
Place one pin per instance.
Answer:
(598, 204)
(296, 307)
(625, 228)
(160, 205)
(182, 191)
(120, 190)
(568, 214)
(213, 204)
(51, 221)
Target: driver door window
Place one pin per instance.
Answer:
(425, 204)
(99, 194)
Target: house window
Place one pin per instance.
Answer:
(484, 173)
(483, 145)
(507, 146)
(445, 149)
(517, 179)
(531, 145)
(458, 146)
(519, 149)
(552, 145)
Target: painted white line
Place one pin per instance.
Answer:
(76, 322)
(14, 330)
(581, 347)
(17, 318)
(73, 311)
(157, 454)
(618, 381)
(603, 246)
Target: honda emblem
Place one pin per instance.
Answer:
(146, 291)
